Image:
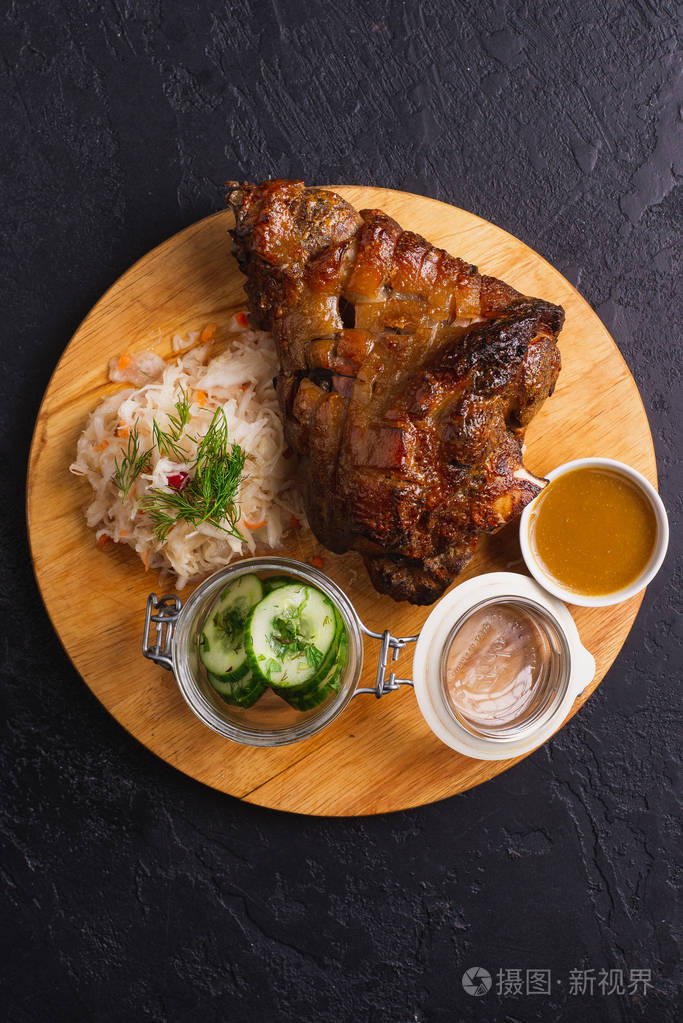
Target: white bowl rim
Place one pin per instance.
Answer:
(648, 573)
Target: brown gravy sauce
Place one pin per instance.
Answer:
(593, 531)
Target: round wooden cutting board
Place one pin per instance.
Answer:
(379, 755)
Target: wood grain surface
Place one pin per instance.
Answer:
(379, 755)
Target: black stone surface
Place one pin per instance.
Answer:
(129, 892)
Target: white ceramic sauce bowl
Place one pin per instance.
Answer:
(650, 570)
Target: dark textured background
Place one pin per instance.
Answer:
(129, 892)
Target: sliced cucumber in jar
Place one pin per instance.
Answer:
(327, 686)
(221, 643)
(292, 638)
(243, 692)
(275, 582)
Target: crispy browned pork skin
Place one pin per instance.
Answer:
(407, 380)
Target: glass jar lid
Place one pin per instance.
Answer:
(505, 665)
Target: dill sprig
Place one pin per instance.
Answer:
(167, 440)
(132, 463)
(183, 415)
(209, 496)
(167, 444)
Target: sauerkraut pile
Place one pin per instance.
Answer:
(206, 424)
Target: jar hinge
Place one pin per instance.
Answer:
(165, 617)
(395, 644)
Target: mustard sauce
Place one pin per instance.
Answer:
(593, 531)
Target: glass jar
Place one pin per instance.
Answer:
(271, 721)
(171, 639)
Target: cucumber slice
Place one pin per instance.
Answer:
(330, 684)
(275, 582)
(221, 644)
(292, 637)
(242, 692)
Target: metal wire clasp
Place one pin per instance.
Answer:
(395, 644)
(167, 610)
